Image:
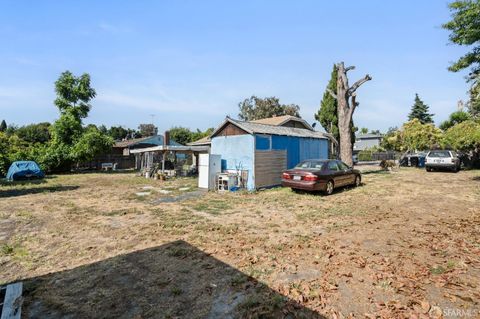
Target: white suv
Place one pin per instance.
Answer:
(442, 159)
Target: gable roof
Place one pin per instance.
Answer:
(127, 143)
(203, 141)
(369, 136)
(258, 128)
(280, 120)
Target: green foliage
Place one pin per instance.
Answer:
(91, 143)
(146, 130)
(365, 155)
(74, 94)
(255, 108)
(420, 111)
(454, 118)
(391, 140)
(67, 129)
(183, 135)
(3, 126)
(327, 114)
(465, 30)
(464, 136)
(415, 135)
(34, 133)
(118, 132)
(474, 102)
(364, 130)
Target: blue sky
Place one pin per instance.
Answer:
(190, 62)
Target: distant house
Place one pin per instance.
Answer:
(263, 149)
(120, 152)
(366, 141)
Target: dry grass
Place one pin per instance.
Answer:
(401, 239)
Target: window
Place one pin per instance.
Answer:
(343, 166)
(332, 165)
(439, 154)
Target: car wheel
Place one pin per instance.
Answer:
(428, 169)
(329, 188)
(358, 180)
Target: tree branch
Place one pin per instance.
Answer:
(349, 68)
(331, 93)
(357, 84)
(353, 105)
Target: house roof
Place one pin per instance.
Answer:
(258, 128)
(203, 141)
(363, 136)
(280, 120)
(127, 143)
(143, 141)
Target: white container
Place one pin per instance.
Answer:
(209, 165)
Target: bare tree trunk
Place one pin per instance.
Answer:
(346, 101)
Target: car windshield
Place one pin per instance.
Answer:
(439, 154)
(310, 165)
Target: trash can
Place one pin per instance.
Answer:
(421, 161)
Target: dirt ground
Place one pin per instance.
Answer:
(406, 244)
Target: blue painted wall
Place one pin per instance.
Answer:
(300, 148)
(237, 152)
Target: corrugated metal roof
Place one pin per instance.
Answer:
(257, 128)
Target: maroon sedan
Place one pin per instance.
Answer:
(321, 175)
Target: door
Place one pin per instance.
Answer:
(348, 175)
(335, 173)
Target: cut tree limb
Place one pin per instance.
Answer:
(357, 84)
(331, 93)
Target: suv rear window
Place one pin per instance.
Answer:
(439, 154)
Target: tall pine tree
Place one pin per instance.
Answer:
(327, 114)
(3, 126)
(420, 111)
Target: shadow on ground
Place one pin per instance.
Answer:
(175, 280)
(35, 190)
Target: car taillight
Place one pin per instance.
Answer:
(286, 176)
(310, 178)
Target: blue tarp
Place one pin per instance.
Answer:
(23, 170)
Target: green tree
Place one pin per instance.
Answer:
(464, 136)
(35, 133)
(255, 108)
(420, 111)
(146, 130)
(465, 30)
(414, 135)
(3, 126)
(74, 94)
(453, 119)
(364, 130)
(474, 101)
(181, 135)
(119, 132)
(327, 114)
(92, 143)
(391, 141)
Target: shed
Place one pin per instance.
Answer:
(265, 150)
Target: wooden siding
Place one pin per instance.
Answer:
(268, 167)
(230, 129)
(297, 124)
